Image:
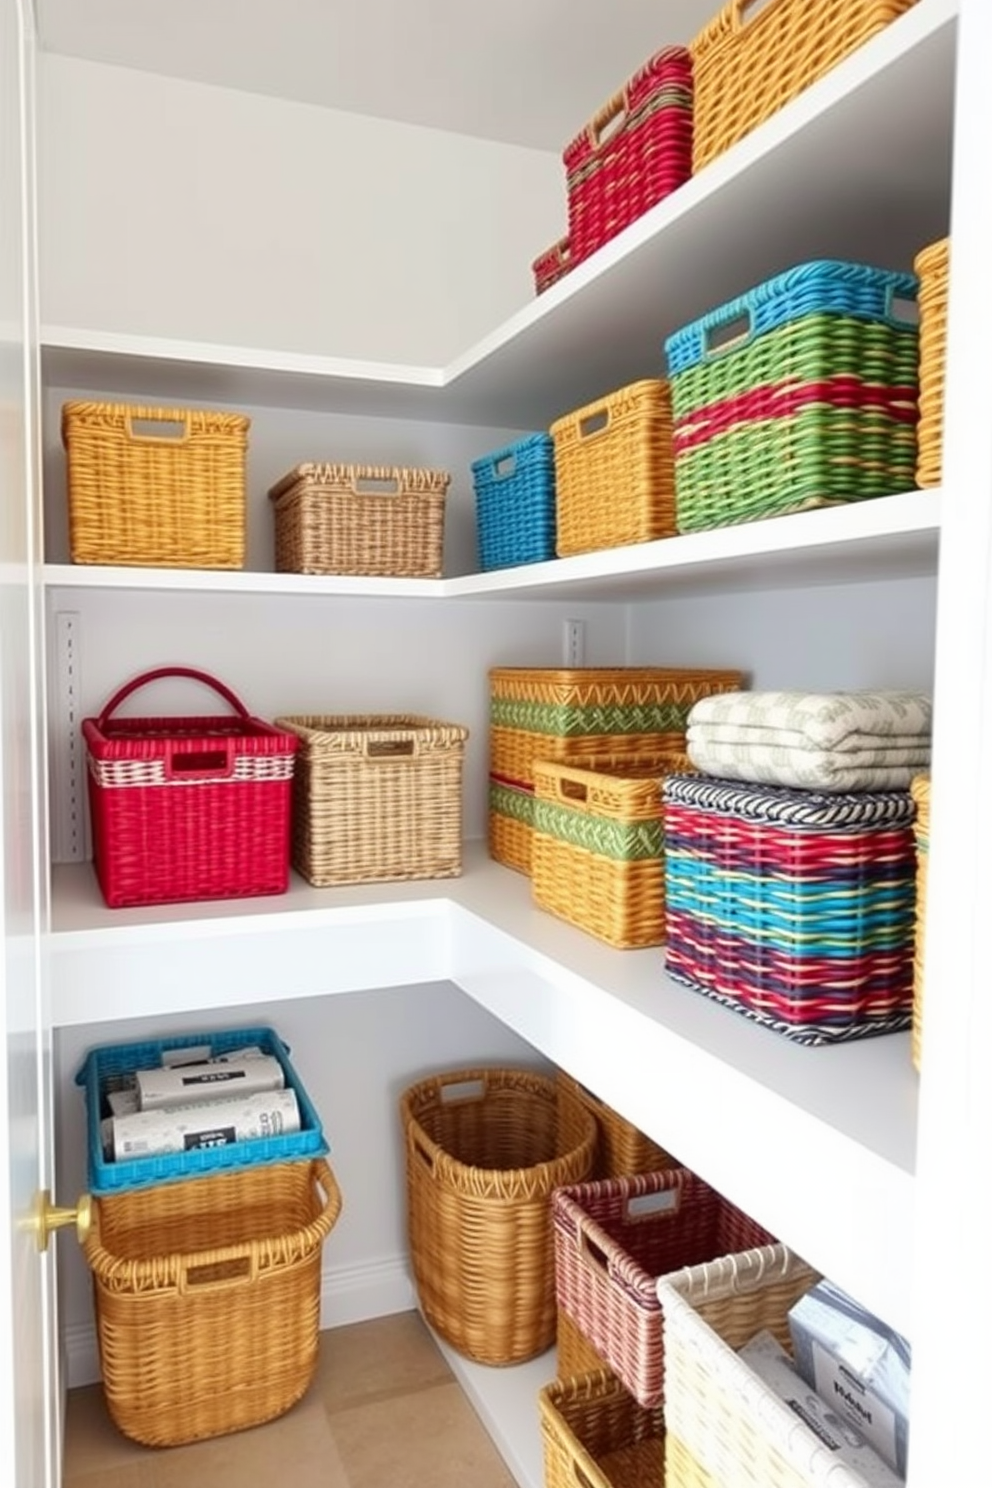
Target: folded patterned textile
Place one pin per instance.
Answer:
(834, 721)
(808, 769)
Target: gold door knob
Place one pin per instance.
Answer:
(46, 1217)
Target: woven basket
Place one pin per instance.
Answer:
(621, 1150)
(724, 1425)
(188, 808)
(615, 1238)
(756, 55)
(597, 850)
(376, 797)
(574, 1353)
(920, 791)
(207, 1297)
(602, 716)
(633, 153)
(551, 265)
(793, 907)
(595, 1436)
(800, 393)
(515, 503)
(360, 519)
(933, 268)
(155, 487)
(613, 470)
(485, 1149)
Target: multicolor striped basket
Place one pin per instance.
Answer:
(801, 393)
(615, 1238)
(793, 907)
(601, 715)
(920, 791)
(933, 267)
(635, 151)
(515, 503)
(597, 853)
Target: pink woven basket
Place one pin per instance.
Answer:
(615, 1238)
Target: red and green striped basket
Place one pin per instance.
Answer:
(801, 393)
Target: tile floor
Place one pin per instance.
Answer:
(384, 1411)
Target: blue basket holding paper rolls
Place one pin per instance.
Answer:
(107, 1069)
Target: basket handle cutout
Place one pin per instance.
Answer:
(376, 485)
(580, 1476)
(651, 1205)
(505, 466)
(151, 429)
(390, 748)
(590, 1251)
(747, 11)
(718, 339)
(594, 423)
(235, 1270)
(144, 678)
(200, 764)
(460, 1090)
(573, 790)
(609, 121)
(903, 309)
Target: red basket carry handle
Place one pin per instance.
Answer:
(144, 678)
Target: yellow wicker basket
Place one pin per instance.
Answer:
(597, 857)
(485, 1149)
(920, 790)
(360, 519)
(614, 470)
(756, 55)
(207, 1296)
(595, 1435)
(932, 266)
(155, 487)
(575, 1354)
(622, 1150)
(599, 717)
(376, 797)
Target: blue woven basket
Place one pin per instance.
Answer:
(515, 503)
(822, 287)
(104, 1069)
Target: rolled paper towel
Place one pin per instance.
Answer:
(212, 1080)
(209, 1124)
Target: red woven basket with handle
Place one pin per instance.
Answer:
(188, 808)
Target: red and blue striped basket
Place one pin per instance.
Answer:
(793, 907)
(515, 503)
(803, 392)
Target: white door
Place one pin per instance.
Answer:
(28, 1379)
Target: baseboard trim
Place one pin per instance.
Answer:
(348, 1294)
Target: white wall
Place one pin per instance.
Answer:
(175, 209)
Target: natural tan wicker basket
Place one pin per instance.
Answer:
(723, 1424)
(622, 1150)
(207, 1296)
(614, 470)
(756, 55)
(595, 1435)
(485, 1149)
(575, 1354)
(360, 519)
(376, 797)
(933, 267)
(920, 790)
(597, 857)
(155, 487)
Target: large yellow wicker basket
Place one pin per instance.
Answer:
(933, 267)
(207, 1298)
(155, 487)
(485, 1149)
(754, 56)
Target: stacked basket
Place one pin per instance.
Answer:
(206, 1262)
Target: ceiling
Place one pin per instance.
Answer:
(525, 72)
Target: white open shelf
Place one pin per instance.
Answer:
(734, 1101)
